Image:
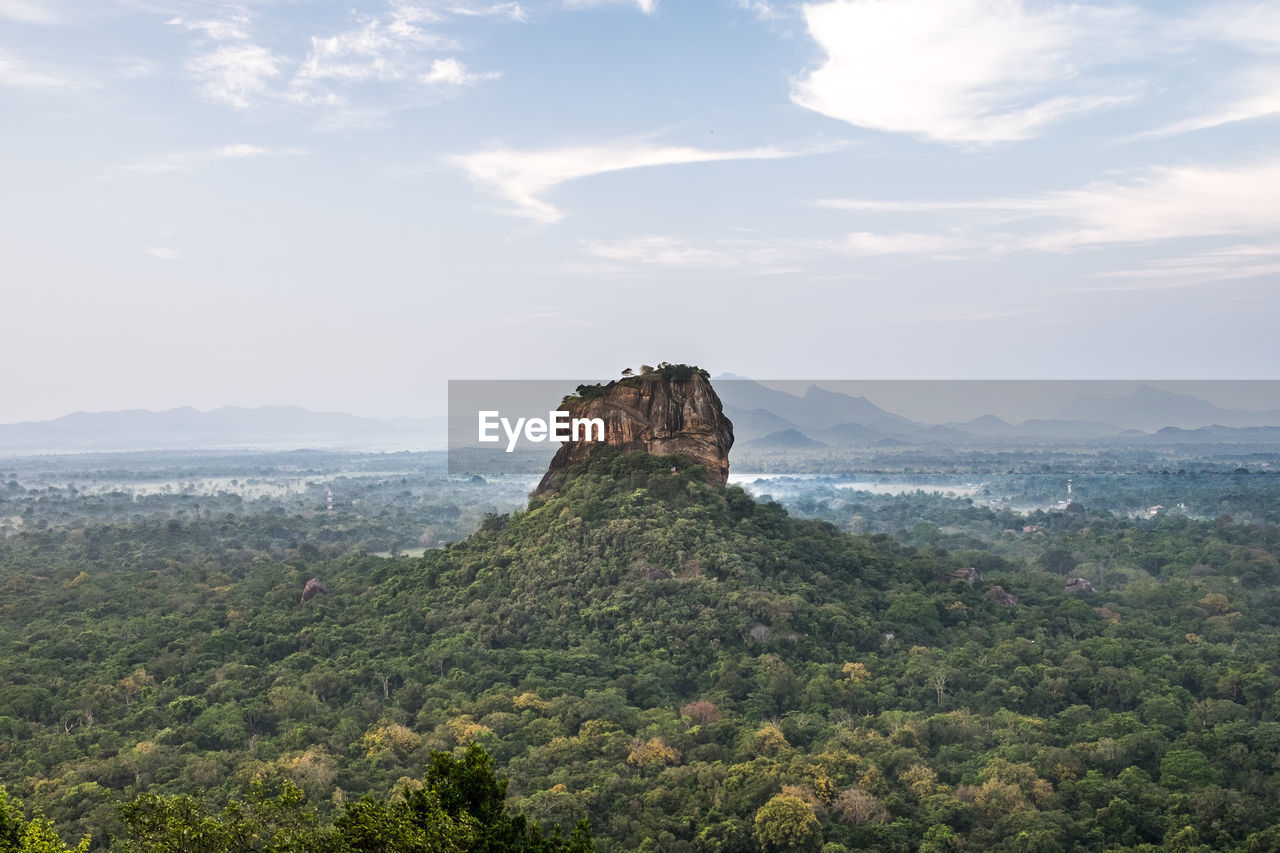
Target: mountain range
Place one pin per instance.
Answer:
(767, 417)
(764, 418)
(226, 427)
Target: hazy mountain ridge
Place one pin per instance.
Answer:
(228, 426)
(757, 411)
(1149, 409)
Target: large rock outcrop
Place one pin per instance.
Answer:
(669, 410)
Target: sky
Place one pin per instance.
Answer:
(343, 205)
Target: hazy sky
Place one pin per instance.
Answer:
(341, 205)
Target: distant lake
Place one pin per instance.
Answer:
(748, 482)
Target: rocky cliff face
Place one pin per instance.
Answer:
(661, 412)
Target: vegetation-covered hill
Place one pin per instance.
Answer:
(688, 668)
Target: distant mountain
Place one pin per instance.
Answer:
(787, 439)
(848, 435)
(229, 426)
(1150, 409)
(817, 408)
(988, 426)
(750, 424)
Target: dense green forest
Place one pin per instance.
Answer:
(685, 667)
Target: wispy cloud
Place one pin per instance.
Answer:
(400, 46)
(521, 177)
(234, 27)
(378, 50)
(163, 253)
(28, 12)
(646, 6)
(1254, 93)
(660, 250)
(763, 10)
(960, 71)
(451, 72)
(905, 243)
(20, 74)
(1229, 263)
(1149, 208)
(394, 48)
(1247, 89)
(235, 74)
(187, 160)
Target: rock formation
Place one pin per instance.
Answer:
(1003, 596)
(314, 587)
(1079, 585)
(669, 410)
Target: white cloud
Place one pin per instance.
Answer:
(394, 47)
(646, 6)
(28, 12)
(391, 49)
(1250, 24)
(162, 253)
(1249, 90)
(376, 51)
(905, 243)
(1229, 263)
(521, 177)
(234, 28)
(1165, 204)
(453, 73)
(959, 71)
(235, 74)
(761, 9)
(188, 160)
(1159, 204)
(762, 257)
(1254, 93)
(20, 74)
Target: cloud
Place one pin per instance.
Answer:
(393, 48)
(960, 71)
(230, 29)
(521, 177)
(761, 9)
(376, 51)
(20, 74)
(234, 74)
(1250, 89)
(762, 257)
(1229, 263)
(1155, 205)
(1166, 203)
(162, 253)
(1252, 94)
(1251, 24)
(905, 243)
(453, 73)
(188, 160)
(28, 12)
(648, 7)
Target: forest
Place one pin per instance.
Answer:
(682, 666)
